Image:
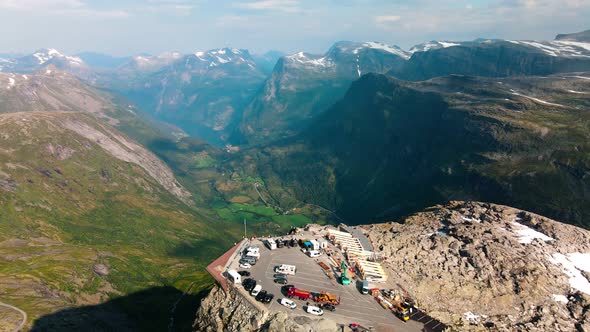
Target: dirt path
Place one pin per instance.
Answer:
(24, 314)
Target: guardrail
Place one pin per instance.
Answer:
(219, 266)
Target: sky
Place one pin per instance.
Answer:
(127, 27)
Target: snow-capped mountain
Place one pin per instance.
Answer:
(302, 85)
(41, 58)
(348, 58)
(562, 46)
(433, 45)
(558, 48)
(497, 58)
(218, 57)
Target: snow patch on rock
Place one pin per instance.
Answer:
(560, 298)
(526, 234)
(573, 264)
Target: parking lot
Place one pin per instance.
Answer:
(354, 307)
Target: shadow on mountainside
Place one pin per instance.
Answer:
(146, 310)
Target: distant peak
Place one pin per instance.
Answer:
(356, 47)
(583, 36)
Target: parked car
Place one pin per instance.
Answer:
(314, 253)
(245, 266)
(244, 273)
(280, 275)
(249, 284)
(288, 303)
(285, 289)
(281, 281)
(260, 297)
(268, 298)
(328, 307)
(314, 310)
(256, 290)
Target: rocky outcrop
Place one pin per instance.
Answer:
(235, 311)
(484, 265)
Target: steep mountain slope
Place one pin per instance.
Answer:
(495, 58)
(202, 93)
(302, 85)
(394, 147)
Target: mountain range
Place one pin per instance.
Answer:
(231, 96)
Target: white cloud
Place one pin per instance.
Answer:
(387, 18)
(274, 5)
(232, 21)
(91, 13)
(75, 8)
(39, 4)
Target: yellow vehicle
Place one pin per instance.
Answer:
(401, 312)
(327, 298)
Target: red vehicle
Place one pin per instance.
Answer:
(300, 293)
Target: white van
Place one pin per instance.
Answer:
(314, 253)
(234, 276)
(256, 290)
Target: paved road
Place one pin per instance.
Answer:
(354, 306)
(24, 314)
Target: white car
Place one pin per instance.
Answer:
(314, 310)
(288, 303)
(245, 266)
(256, 290)
(314, 253)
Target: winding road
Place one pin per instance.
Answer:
(24, 314)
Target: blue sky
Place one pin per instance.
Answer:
(125, 27)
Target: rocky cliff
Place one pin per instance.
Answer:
(235, 311)
(485, 265)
